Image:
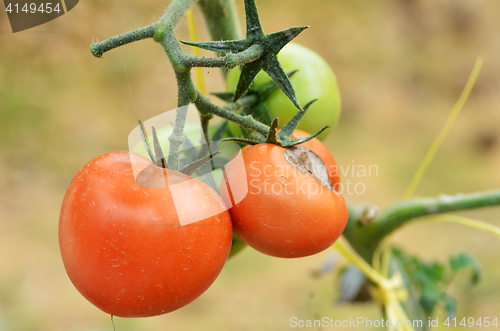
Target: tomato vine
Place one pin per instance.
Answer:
(366, 228)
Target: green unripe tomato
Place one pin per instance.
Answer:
(313, 80)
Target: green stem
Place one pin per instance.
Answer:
(366, 238)
(165, 33)
(221, 18)
(99, 49)
(248, 122)
(230, 61)
(185, 95)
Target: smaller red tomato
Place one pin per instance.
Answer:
(287, 211)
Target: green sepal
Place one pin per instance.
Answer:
(277, 40)
(145, 141)
(288, 129)
(287, 142)
(268, 88)
(271, 44)
(243, 141)
(224, 96)
(273, 68)
(254, 27)
(224, 46)
(248, 73)
(160, 159)
(272, 135)
(195, 165)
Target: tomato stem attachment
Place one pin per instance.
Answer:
(283, 137)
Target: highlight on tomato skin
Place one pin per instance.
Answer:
(123, 246)
(287, 213)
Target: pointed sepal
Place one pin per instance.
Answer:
(195, 165)
(242, 141)
(254, 27)
(277, 40)
(223, 46)
(268, 88)
(273, 131)
(224, 96)
(288, 129)
(248, 73)
(293, 142)
(272, 66)
(160, 159)
(145, 141)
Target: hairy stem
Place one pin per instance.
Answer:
(222, 21)
(165, 33)
(230, 60)
(98, 49)
(248, 122)
(221, 18)
(366, 238)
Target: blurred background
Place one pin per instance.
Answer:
(401, 65)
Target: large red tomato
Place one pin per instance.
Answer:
(317, 147)
(287, 212)
(123, 245)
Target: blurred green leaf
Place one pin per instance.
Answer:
(465, 261)
(449, 305)
(432, 279)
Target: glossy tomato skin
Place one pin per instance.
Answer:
(313, 80)
(320, 149)
(123, 246)
(286, 213)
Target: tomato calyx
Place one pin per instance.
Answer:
(270, 45)
(158, 158)
(259, 110)
(281, 138)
